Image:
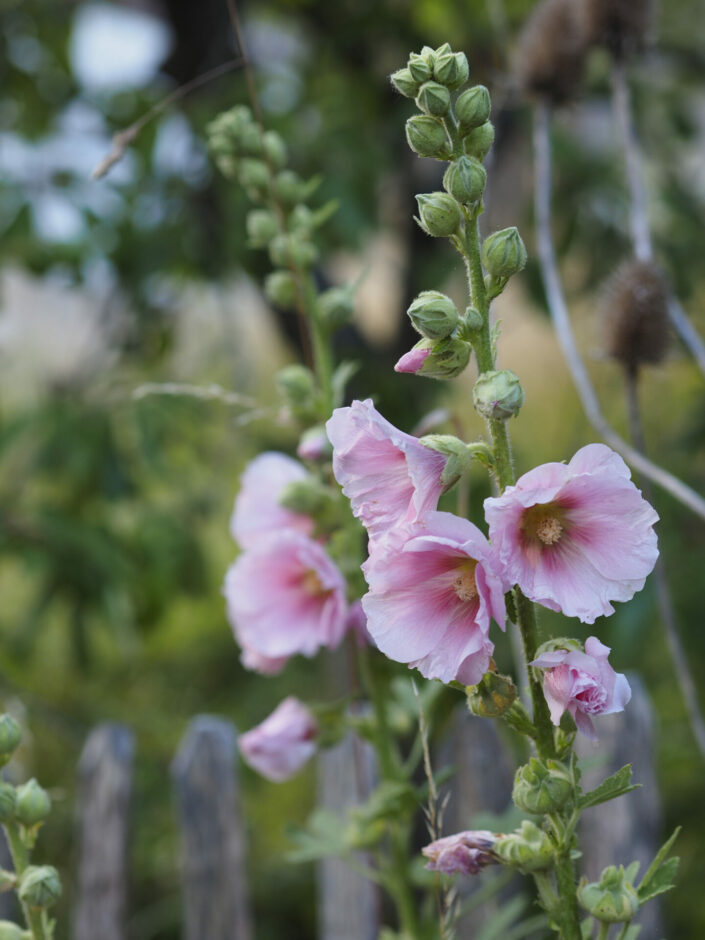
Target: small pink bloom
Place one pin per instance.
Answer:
(314, 445)
(257, 511)
(433, 589)
(286, 596)
(583, 683)
(280, 746)
(388, 476)
(575, 537)
(464, 853)
(413, 360)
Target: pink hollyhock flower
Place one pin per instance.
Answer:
(257, 512)
(433, 589)
(264, 665)
(575, 537)
(388, 476)
(413, 360)
(286, 596)
(280, 746)
(583, 683)
(464, 853)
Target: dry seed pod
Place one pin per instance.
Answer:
(551, 52)
(636, 309)
(622, 26)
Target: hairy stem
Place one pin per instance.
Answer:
(20, 861)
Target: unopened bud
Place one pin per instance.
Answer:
(427, 136)
(473, 320)
(503, 253)
(296, 384)
(305, 497)
(528, 848)
(290, 188)
(274, 149)
(542, 787)
(455, 451)
(465, 180)
(433, 315)
(450, 68)
(8, 802)
(434, 99)
(251, 141)
(498, 396)
(405, 83)
(472, 109)
(440, 214)
(280, 288)
(478, 142)
(420, 66)
(10, 737)
(33, 804)
(262, 227)
(336, 305)
(492, 695)
(254, 176)
(612, 899)
(301, 219)
(442, 359)
(40, 886)
(314, 444)
(292, 250)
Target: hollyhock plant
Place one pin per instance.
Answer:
(286, 596)
(433, 589)
(465, 853)
(575, 537)
(257, 513)
(388, 476)
(280, 746)
(583, 684)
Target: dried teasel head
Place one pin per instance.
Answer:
(622, 26)
(551, 52)
(636, 314)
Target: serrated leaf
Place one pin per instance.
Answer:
(661, 881)
(658, 861)
(616, 785)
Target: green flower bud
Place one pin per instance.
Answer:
(498, 395)
(420, 67)
(251, 141)
(478, 141)
(301, 219)
(274, 149)
(290, 188)
(40, 886)
(503, 253)
(450, 68)
(447, 358)
(465, 180)
(492, 695)
(434, 99)
(542, 787)
(262, 227)
(306, 497)
(336, 306)
(10, 931)
(229, 166)
(440, 214)
(612, 899)
(280, 288)
(296, 384)
(433, 315)
(427, 136)
(473, 320)
(33, 803)
(287, 250)
(8, 802)
(455, 451)
(254, 176)
(10, 737)
(405, 83)
(528, 848)
(472, 107)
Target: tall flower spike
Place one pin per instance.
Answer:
(576, 537)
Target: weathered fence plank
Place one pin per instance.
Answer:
(347, 903)
(213, 841)
(104, 789)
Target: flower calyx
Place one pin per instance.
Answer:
(613, 899)
(542, 786)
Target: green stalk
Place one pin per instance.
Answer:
(20, 861)
(604, 932)
(322, 360)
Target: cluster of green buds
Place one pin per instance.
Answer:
(528, 849)
(23, 810)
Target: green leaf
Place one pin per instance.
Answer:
(633, 932)
(616, 785)
(328, 209)
(322, 837)
(342, 375)
(586, 928)
(658, 861)
(631, 872)
(661, 881)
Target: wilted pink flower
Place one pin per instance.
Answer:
(575, 537)
(413, 360)
(464, 853)
(286, 596)
(583, 683)
(257, 513)
(433, 589)
(280, 746)
(388, 476)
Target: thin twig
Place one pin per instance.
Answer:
(561, 321)
(663, 593)
(123, 139)
(687, 332)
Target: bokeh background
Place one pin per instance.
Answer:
(114, 508)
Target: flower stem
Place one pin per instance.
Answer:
(603, 932)
(20, 861)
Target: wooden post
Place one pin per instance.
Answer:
(628, 828)
(104, 789)
(347, 903)
(212, 833)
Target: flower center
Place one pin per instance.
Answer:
(464, 581)
(544, 523)
(549, 530)
(311, 583)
